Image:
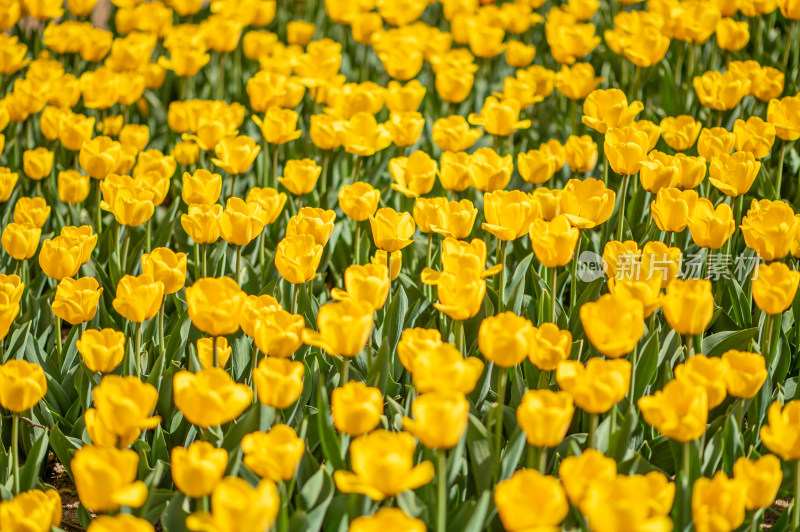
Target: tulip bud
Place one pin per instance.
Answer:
(210, 397)
(545, 417)
(22, 385)
(516, 500)
(596, 387)
(356, 408)
(279, 381)
(102, 350)
(105, 478)
(679, 411)
(274, 454)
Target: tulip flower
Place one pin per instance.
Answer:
(453, 171)
(688, 305)
(274, 455)
(679, 411)
(356, 408)
(210, 397)
(368, 283)
(297, 258)
(718, 503)
(733, 174)
(415, 341)
(60, 257)
(580, 153)
(680, 132)
(387, 519)
(545, 417)
(207, 348)
(300, 176)
(383, 466)
(442, 368)
(612, 500)
(8, 181)
(540, 165)
(531, 500)
(453, 134)
(105, 478)
(613, 324)
(359, 200)
(604, 109)
(312, 221)
(21, 240)
(102, 350)
(578, 473)
(715, 141)
(711, 227)
(270, 201)
(754, 135)
(508, 214)
(344, 328)
(391, 231)
(596, 387)
(215, 305)
(774, 287)
(761, 479)
(37, 163)
(769, 228)
(122, 411)
(440, 419)
(746, 373)
(488, 171)
(32, 510)
(235, 155)
(76, 301)
(235, 501)
(279, 381)
(505, 339)
(201, 187)
(587, 203)
(707, 373)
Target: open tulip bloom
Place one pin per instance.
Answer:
(397, 264)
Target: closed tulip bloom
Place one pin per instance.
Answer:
(279, 333)
(499, 117)
(428, 213)
(23, 385)
(60, 258)
(300, 176)
(604, 109)
(8, 181)
(679, 411)
(782, 434)
(201, 187)
(82, 235)
(717, 503)
(73, 187)
(405, 128)
(734, 174)
(663, 174)
(166, 266)
(680, 132)
(489, 171)
(672, 207)
(131, 206)
(769, 228)
(215, 305)
(205, 352)
(12, 287)
(746, 373)
(197, 469)
(235, 155)
(755, 136)
(135, 135)
(21, 240)
(505, 339)
(545, 416)
(553, 242)
(9, 309)
(453, 134)
(366, 283)
(356, 408)
(460, 291)
(721, 92)
(549, 346)
(279, 381)
(784, 114)
(344, 328)
(323, 132)
(454, 84)
(540, 165)
(279, 126)
(74, 130)
(362, 135)
(383, 466)
(578, 473)
(761, 479)
(240, 223)
(359, 201)
(715, 141)
(201, 223)
(790, 9)
(138, 298)
(185, 152)
(101, 350)
(100, 156)
(732, 35)
(774, 287)
(391, 231)
(122, 411)
(414, 341)
(404, 98)
(387, 519)
(413, 176)
(581, 153)
(613, 501)
(614, 324)
(31, 210)
(297, 258)
(105, 478)
(440, 419)
(596, 387)
(233, 502)
(76, 301)
(708, 373)
(455, 219)
(576, 81)
(270, 201)
(485, 41)
(442, 368)
(37, 163)
(254, 309)
(530, 500)
(587, 203)
(32, 510)
(711, 227)
(626, 149)
(688, 305)
(210, 397)
(274, 454)
(508, 214)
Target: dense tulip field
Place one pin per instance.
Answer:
(399, 265)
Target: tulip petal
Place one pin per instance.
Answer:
(133, 495)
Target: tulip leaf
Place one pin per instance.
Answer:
(331, 449)
(513, 452)
(174, 517)
(29, 473)
(740, 304)
(64, 447)
(718, 343)
(482, 462)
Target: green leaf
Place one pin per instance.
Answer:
(29, 474)
(64, 447)
(718, 343)
(328, 438)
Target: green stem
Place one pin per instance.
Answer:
(162, 347)
(357, 243)
(686, 480)
(97, 198)
(573, 278)
(15, 450)
(238, 264)
(634, 363)
(265, 164)
(148, 233)
(623, 197)
(295, 292)
(458, 333)
(498, 424)
(553, 293)
(196, 258)
(543, 460)
(274, 176)
(221, 77)
(233, 185)
(389, 273)
(205, 252)
(593, 421)
(501, 293)
(779, 177)
(137, 350)
(125, 247)
(441, 492)
(774, 337)
(345, 371)
(788, 46)
(59, 344)
(214, 351)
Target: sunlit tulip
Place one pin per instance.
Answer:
(611, 501)
(101, 350)
(718, 503)
(774, 287)
(784, 115)
(210, 397)
(123, 408)
(279, 381)
(440, 419)
(138, 298)
(201, 223)
(745, 374)
(604, 109)
(545, 417)
(761, 478)
(344, 328)
(596, 387)
(235, 155)
(505, 339)
(201, 187)
(21, 240)
(553, 242)
(359, 200)
(105, 478)
(215, 305)
(688, 305)
(530, 500)
(387, 519)
(769, 228)
(60, 257)
(721, 92)
(711, 227)
(383, 466)
(715, 141)
(32, 510)
(23, 385)
(37, 163)
(680, 132)
(508, 214)
(488, 171)
(614, 324)
(578, 473)
(76, 301)
(240, 222)
(391, 231)
(707, 373)
(279, 126)
(274, 454)
(31, 210)
(100, 156)
(453, 134)
(233, 502)
(679, 411)
(754, 135)
(206, 354)
(356, 408)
